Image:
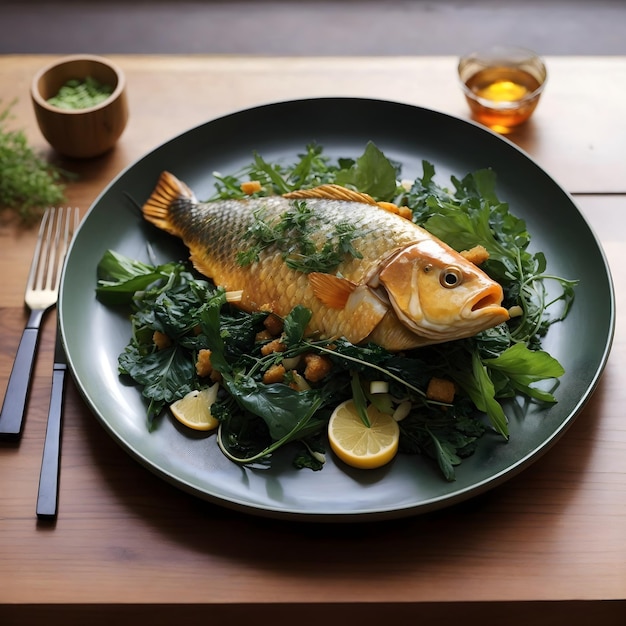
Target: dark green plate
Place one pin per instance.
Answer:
(94, 335)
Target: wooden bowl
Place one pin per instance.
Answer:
(80, 133)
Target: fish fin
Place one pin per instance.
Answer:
(330, 192)
(168, 191)
(331, 290)
(395, 336)
(200, 263)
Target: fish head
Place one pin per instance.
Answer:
(440, 295)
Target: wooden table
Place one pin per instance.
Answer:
(548, 547)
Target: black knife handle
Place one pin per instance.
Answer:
(48, 495)
(14, 405)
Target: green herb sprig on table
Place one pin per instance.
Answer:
(28, 182)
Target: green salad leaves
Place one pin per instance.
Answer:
(257, 418)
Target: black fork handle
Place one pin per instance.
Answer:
(16, 397)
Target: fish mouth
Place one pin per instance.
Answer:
(489, 302)
(486, 301)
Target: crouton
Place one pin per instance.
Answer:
(317, 367)
(263, 335)
(273, 346)
(273, 324)
(251, 186)
(274, 374)
(440, 389)
(476, 255)
(161, 340)
(203, 363)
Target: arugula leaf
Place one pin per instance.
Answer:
(480, 388)
(372, 173)
(523, 367)
(289, 416)
(311, 456)
(445, 436)
(210, 324)
(445, 455)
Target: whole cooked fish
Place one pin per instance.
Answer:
(402, 288)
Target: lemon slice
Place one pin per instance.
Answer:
(361, 446)
(194, 409)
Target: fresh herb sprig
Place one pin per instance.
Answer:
(28, 183)
(293, 235)
(372, 173)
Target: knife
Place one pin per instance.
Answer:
(48, 495)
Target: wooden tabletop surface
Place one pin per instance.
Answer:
(547, 547)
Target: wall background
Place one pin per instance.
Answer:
(311, 27)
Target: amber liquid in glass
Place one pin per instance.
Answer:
(502, 92)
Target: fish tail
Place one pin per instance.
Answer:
(168, 192)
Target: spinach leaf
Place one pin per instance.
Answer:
(120, 277)
(165, 375)
(281, 407)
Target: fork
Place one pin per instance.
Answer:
(42, 292)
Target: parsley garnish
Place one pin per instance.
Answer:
(293, 236)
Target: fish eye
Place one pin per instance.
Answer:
(451, 277)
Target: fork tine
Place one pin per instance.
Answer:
(69, 228)
(60, 245)
(52, 245)
(36, 269)
(63, 245)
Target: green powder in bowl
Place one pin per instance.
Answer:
(80, 94)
